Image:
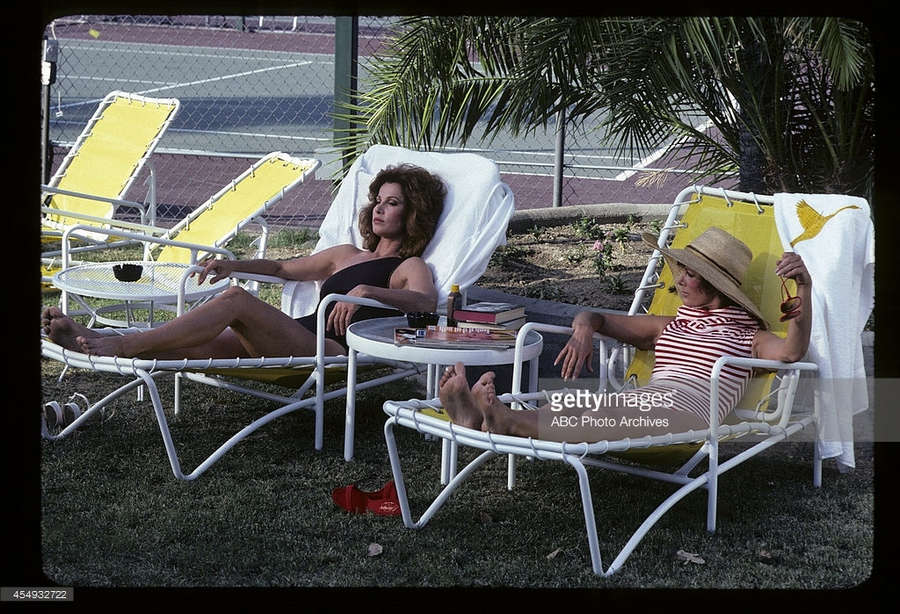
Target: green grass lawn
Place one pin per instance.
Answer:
(114, 516)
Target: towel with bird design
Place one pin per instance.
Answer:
(835, 237)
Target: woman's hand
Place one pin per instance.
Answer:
(342, 313)
(219, 269)
(577, 352)
(791, 266)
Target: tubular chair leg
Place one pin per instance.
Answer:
(817, 465)
(445, 493)
(590, 523)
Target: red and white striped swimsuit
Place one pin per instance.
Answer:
(687, 349)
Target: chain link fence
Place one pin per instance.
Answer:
(249, 85)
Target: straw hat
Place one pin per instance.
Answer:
(720, 259)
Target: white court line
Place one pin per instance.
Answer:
(216, 56)
(226, 77)
(253, 134)
(198, 82)
(117, 80)
(656, 155)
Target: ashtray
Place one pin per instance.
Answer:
(127, 272)
(421, 319)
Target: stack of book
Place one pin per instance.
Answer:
(504, 316)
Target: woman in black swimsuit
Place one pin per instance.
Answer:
(405, 203)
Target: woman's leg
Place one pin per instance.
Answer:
(580, 419)
(235, 323)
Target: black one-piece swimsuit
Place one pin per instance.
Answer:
(371, 272)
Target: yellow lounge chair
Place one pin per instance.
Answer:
(209, 227)
(104, 162)
(763, 410)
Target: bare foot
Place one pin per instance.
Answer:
(457, 399)
(63, 330)
(486, 394)
(102, 345)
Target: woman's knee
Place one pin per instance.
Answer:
(235, 295)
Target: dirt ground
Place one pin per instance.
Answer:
(584, 263)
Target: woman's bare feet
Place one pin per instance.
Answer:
(63, 330)
(493, 411)
(486, 394)
(457, 399)
(102, 345)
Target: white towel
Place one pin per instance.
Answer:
(476, 213)
(840, 257)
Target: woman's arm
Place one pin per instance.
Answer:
(317, 266)
(794, 345)
(411, 289)
(640, 331)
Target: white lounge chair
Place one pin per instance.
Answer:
(765, 410)
(476, 213)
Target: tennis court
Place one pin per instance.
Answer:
(246, 92)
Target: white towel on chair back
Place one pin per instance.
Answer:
(476, 213)
(840, 258)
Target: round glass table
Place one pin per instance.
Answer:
(160, 283)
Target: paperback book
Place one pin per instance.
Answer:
(489, 313)
(509, 325)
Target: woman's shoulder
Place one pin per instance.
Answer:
(412, 261)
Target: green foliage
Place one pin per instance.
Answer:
(621, 234)
(507, 254)
(587, 227)
(787, 101)
(536, 232)
(616, 284)
(293, 237)
(576, 254)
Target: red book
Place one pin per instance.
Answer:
(489, 313)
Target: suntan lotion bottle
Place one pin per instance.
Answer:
(453, 303)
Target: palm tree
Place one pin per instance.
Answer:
(785, 103)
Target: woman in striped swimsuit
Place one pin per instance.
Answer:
(716, 319)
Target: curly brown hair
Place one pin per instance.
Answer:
(423, 193)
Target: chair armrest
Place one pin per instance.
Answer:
(755, 363)
(194, 247)
(265, 279)
(602, 340)
(45, 189)
(320, 317)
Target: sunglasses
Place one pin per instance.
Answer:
(790, 305)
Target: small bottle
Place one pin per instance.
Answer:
(453, 300)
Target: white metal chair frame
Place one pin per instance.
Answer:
(774, 426)
(145, 372)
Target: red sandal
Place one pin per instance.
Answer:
(382, 502)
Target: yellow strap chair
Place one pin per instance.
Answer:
(764, 410)
(209, 227)
(101, 166)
